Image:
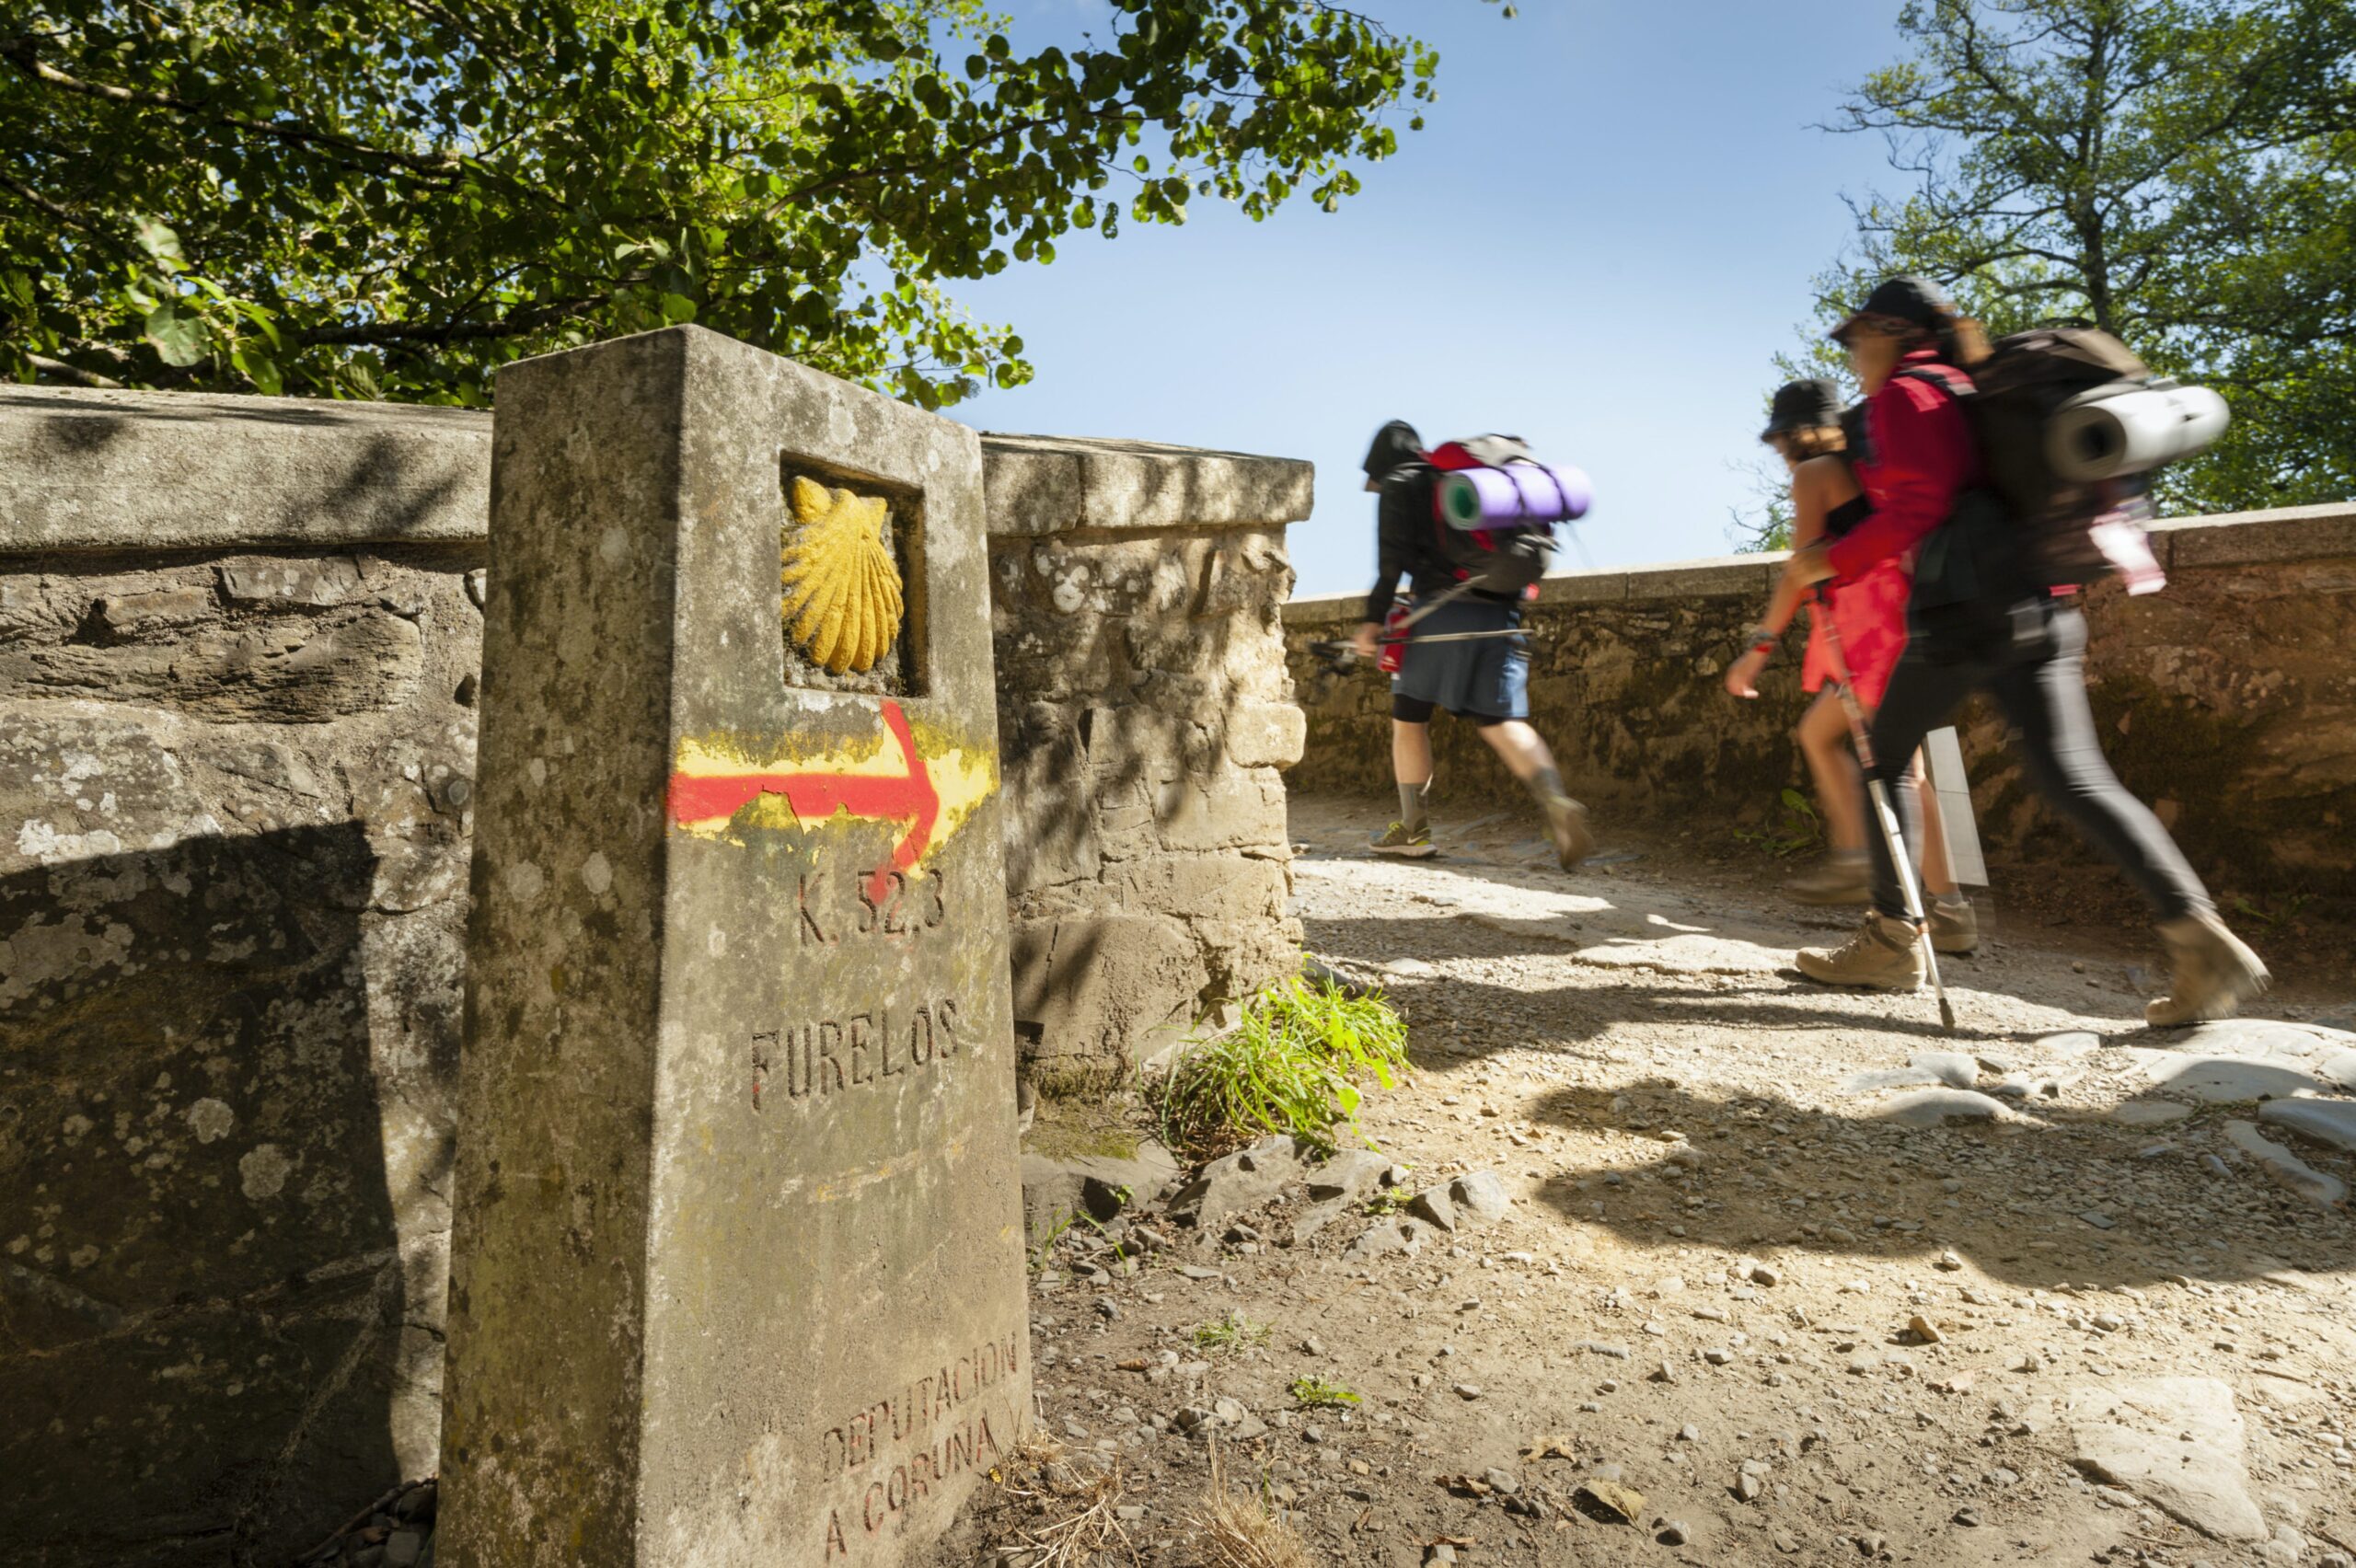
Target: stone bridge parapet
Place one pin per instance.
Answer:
(2227, 701)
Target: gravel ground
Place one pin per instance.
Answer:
(1745, 1305)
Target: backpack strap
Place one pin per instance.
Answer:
(1946, 380)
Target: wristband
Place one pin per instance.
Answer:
(1764, 641)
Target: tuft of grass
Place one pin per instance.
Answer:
(1291, 1065)
(1318, 1392)
(2289, 909)
(1044, 1249)
(1240, 1531)
(1075, 1523)
(1231, 1332)
(1802, 829)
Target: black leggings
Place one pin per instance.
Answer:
(1419, 711)
(2033, 666)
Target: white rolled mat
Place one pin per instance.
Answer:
(2105, 437)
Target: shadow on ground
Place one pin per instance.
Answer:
(2065, 1198)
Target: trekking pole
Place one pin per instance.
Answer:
(1456, 636)
(1893, 836)
(1341, 658)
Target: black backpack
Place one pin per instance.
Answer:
(2030, 528)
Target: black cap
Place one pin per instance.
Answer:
(1906, 301)
(1396, 444)
(1803, 405)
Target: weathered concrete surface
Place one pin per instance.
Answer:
(231, 831)
(1059, 484)
(2227, 701)
(737, 1261)
(162, 471)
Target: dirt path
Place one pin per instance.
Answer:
(2139, 1345)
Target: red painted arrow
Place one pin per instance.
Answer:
(909, 797)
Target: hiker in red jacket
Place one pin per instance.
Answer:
(1911, 350)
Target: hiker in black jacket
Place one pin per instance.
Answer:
(1484, 677)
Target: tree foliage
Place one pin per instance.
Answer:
(391, 197)
(2181, 173)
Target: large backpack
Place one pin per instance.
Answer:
(1498, 533)
(2026, 404)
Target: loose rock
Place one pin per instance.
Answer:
(2288, 1169)
(1938, 1107)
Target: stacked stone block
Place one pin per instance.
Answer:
(1144, 715)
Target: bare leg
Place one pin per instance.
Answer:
(1823, 736)
(1526, 754)
(1411, 753)
(1410, 768)
(1516, 745)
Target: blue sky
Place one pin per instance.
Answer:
(1606, 228)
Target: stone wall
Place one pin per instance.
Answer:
(2229, 701)
(238, 667)
(1143, 714)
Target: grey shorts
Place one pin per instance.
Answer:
(1486, 679)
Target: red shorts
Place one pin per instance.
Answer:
(1871, 615)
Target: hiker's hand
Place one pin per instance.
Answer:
(1810, 565)
(1363, 642)
(1743, 677)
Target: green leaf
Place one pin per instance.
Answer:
(678, 308)
(162, 246)
(180, 339)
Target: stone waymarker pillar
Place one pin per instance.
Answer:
(737, 1271)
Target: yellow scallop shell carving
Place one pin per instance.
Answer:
(842, 588)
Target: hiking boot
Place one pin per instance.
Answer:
(1882, 955)
(2211, 970)
(1566, 825)
(1414, 843)
(1954, 928)
(1841, 879)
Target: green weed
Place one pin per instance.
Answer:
(1318, 1392)
(2292, 906)
(1291, 1065)
(1047, 1246)
(1231, 1332)
(1801, 831)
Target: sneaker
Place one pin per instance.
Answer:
(2211, 970)
(1566, 825)
(1842, 879)
(1954, 930)
(1883, 954)
(1414, 843)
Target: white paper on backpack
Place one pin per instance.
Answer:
(1951, 788)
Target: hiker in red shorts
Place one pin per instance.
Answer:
(1804, 426)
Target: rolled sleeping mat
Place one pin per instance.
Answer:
(1517, 493)
(2103, 438)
